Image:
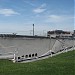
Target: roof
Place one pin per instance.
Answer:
(21, 36)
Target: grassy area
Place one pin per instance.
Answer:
(63, 64)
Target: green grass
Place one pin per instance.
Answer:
(63, 64)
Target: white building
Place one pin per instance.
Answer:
(31, 47)
(59, 33)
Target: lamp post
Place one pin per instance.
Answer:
(50, 47)
(14, 59)
(33, 29)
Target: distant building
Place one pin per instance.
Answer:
(59, 34)
(74, 32)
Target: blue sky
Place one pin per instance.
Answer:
(19, 15)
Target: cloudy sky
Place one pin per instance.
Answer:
(19, 15)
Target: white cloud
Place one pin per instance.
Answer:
(58, 18)
(40, 9)
(8, 12)
(27, 2)
(55, 18)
